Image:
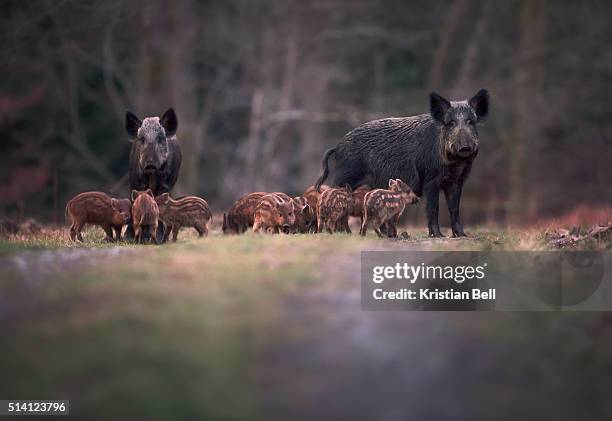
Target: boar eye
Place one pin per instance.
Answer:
(160, 139)
(452, 123)
(470, 122)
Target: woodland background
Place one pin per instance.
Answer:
(262, 88)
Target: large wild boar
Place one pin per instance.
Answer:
(155, 157)
(431, 152)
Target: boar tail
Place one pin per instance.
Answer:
(325, 166)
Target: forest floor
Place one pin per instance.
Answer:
(252, 327)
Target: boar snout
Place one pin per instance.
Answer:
(286, 229)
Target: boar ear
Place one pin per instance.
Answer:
(480, 104)
(132, 124)
(150, 193)
(134, 195)
(169, 122)
(438, 106)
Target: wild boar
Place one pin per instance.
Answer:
(305, 216)
(334, 207)
(241, 216)
(384, 207)
(155, 156)
(100, 209)
(430, 152)
(312, 195)
(145, 216)
(188, 211)
(358, 200)
(273, 214)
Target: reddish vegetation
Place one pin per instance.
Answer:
(582, 215)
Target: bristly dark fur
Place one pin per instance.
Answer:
(155, 156)
(430, 152)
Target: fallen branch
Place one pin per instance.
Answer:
(569, 238)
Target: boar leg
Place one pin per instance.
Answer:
(377, 229)
(154, 230)
(167, 232)
(175, 230)
(117, 229)
(137, 234)
(346, 227)
(129, 231)
(73, 232)
(453, 197)
(202, 229)
(109, 233)
(159, 232)
(432, 192)
(364, 227)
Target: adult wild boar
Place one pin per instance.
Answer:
(155, 157)
(431, 152)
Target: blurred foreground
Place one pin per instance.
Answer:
(271, 327)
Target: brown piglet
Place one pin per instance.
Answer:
(384, 207)
(100, 209)
(188, 211)
(145, 215)
(241, 216)
(358, 199)
(333, 209)
(273, 214)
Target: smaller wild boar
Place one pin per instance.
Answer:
(384, 207)
(305, 216)
(358, 199)
(312, 195)
(273, 214)
(334, 207)
(241, 215)
(188, 211)
(145, 216)
(100, 209)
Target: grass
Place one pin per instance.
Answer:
(227, 327)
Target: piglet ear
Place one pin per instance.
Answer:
(480, 104)
(114, 203)
(438, 106)
(164, 198)
(391, 182)
(150, 193)
(169, 122)
(134, 195)
(305, 208)
(132, 124)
